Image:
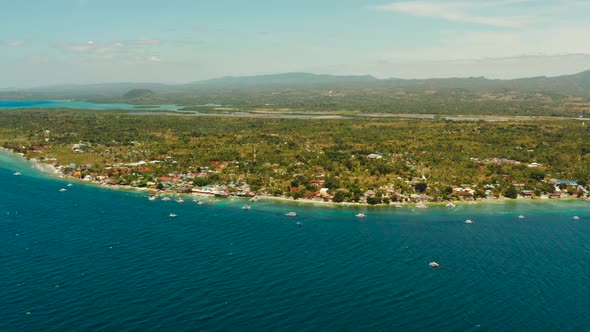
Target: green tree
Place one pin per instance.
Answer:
(200, 181)
(536, 174)
(421, 187)
(339, 196)
(511, 192)
(448, 190)
(374, 200)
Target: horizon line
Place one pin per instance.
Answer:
(16, 89)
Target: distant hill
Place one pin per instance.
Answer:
(287, 79)
(139, 93)
(575, 85)
(551, 96)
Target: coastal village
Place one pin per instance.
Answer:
(163, 176)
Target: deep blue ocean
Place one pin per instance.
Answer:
(92, 259)
(44, 104)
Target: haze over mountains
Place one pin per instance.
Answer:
(567, 95)
(575, 85)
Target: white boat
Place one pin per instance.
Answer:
(180, 200)
(433, 264)
(360, 215)
(469, 221)
(521, 217)
(291, 214)
(165, 199)
(152, 198)
(246, 207)
(63, 190)
(299, 224)
(200, 203)
(18, 173)
(450, 205)
(69, 184)
(575, 218)
(172, 215)
(421, 205)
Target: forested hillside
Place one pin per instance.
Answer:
(300, 92)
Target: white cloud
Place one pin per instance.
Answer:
(12, 43)
(129, 50)
(453, 45)
(154, 58)
(93, 47)
(459, 11)
(146, 42)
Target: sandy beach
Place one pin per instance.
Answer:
(54, 171)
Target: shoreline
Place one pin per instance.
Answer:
(55, 173)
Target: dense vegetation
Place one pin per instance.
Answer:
(380, 159)
(557, 96)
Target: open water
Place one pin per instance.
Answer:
(44, 104)
(92, 259)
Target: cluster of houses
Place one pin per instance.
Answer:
(184, 182)
(564, 187)
(504, 161)
(174, 182)
(79, 147)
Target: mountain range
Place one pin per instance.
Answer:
(548, 96)
(575, 85)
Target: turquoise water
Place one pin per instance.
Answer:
(102, 260)
(16, 104)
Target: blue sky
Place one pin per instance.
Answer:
(91, 41)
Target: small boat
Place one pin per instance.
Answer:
(360, 215)
(63, 190)
(69, 184)
(575, 218)
(469, 221)
(521, 217)
(18, 173)
(165, 199)
(291, 214)
(300, 224)
(172, 215)
(152, 198)
(421, 205)
(180, 200)
(450, 205)
(200, 203)
(433, 264)
(246, 207)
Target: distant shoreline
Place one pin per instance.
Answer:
(262, 113)
(85, 105)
